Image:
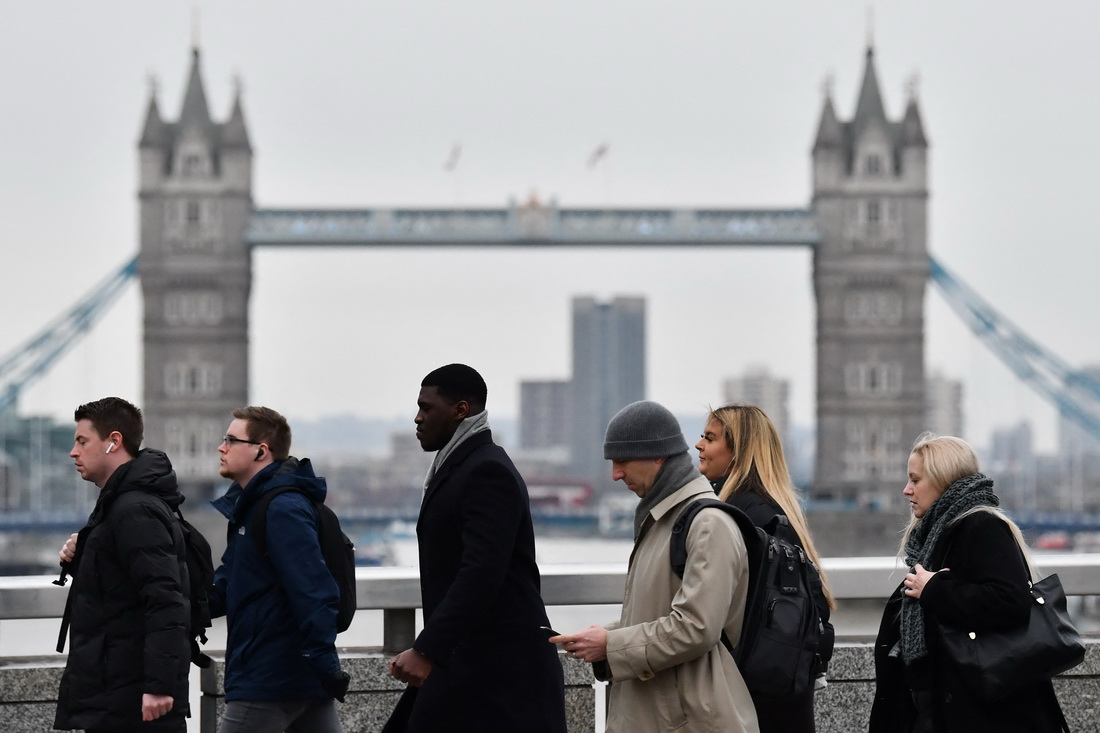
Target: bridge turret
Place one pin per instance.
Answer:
(914, 145)
(830, 166)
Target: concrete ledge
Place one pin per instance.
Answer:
(373, 693)
(28, 691)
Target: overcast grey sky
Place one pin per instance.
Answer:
(702, 103)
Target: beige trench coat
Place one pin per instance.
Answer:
(668, 668)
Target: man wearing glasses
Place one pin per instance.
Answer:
(281, 667)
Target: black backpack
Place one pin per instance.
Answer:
(337, 549)
(200, 574)
(786, 638)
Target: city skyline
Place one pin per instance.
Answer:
(1009, 191)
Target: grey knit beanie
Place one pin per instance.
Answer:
(643, 430)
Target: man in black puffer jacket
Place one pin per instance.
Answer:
(128, 611)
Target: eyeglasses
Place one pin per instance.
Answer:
(230, 441)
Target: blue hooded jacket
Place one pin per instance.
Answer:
(281, 608)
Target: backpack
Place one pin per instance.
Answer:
(337, 549)
(200, 574)
(786, 638)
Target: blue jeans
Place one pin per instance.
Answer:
(276, 716)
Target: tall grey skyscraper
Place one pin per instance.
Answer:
(609, 372)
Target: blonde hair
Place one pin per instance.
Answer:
(758, 465)
(946, 460)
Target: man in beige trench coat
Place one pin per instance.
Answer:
(668, 668)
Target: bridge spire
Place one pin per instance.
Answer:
(152, 132)
(195, 110)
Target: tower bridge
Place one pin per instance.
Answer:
(866, 225)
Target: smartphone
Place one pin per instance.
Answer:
(549, 631)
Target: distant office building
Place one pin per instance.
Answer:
(1013, 465)
(943, 405)
(609, 373)
(1079, 456)
(770, 393)
(544, 414)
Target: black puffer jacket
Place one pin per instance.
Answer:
(128, 605)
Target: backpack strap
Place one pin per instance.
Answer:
(754, 544)
(258, 528)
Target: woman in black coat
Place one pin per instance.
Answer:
(741, 455)
(968, 569)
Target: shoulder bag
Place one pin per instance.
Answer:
(995, 664)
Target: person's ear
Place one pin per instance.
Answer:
(462, 410)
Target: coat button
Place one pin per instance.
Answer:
(947, 697)
(646, 674)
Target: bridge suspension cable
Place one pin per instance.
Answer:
(1075, 394)
(30, 360)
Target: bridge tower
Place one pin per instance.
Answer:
(195, 200)
(870, 198)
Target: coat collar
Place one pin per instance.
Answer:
(458, 455)
(697, 487)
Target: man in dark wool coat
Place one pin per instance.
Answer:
(482, 662)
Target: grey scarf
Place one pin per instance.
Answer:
(968, 492)
(471, 426)
(675, 472)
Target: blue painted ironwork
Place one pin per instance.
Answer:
(29, 361)
(533, 224)
(1075, 394)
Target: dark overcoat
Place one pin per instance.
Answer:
(493, 667)
(983, 586)
(128, 605)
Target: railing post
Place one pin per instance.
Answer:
(398, 629)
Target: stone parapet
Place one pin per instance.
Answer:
(28, 692)
(373, 693)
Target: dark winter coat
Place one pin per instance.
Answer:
(984, 588)
(493, 668)
(280, 607)
(128, 605)
(787, 713)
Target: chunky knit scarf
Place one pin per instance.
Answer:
(968, 492)
(469, 427)
(675, 472)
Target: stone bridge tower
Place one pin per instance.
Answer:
(870, 183)
(195, 200)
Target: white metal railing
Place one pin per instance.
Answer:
(396, 590)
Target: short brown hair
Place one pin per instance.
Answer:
(114, 413)
(266, 426)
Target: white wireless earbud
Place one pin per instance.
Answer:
(109, 448)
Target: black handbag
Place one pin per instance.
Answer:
(995, 664)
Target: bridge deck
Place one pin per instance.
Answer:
(533, 225)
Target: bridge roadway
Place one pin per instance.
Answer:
(583, 520)
(533, 224)
(27, 686)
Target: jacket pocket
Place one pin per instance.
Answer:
(669, 698)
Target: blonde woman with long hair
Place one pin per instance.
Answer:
(968, 568)
(741, 455)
